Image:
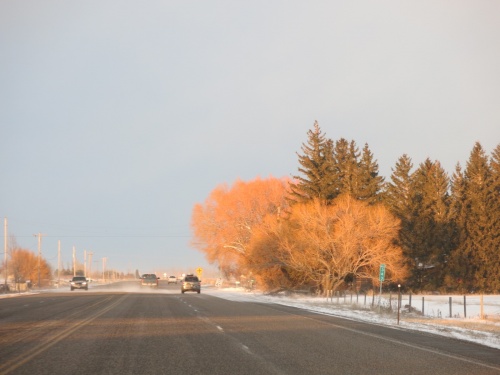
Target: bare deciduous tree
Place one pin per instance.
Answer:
(324, 244)
(223, 225)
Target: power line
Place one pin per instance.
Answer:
(114, 236)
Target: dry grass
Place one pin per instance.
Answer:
(490, 324)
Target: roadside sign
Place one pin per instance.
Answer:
(381, 275)
(199, 271)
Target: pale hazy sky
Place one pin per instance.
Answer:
(118, 116)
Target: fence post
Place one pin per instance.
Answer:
(423, 299)
(465, 307)
(451, 316)
(409, 302)
(481, 307)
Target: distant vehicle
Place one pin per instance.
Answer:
(79, 282)
(191, 283)
(172, 280)
(150, 280)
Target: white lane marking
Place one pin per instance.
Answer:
(395, 341)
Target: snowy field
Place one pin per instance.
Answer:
(436, 308)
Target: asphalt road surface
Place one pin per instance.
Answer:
(134, 331)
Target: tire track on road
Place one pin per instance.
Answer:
(53, 339)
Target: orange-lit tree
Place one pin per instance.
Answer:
(24, 265)
(322, 244)
(265, 257)
(223, 225)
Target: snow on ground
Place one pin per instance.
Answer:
(481, 331)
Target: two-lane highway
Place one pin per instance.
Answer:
(133, 331)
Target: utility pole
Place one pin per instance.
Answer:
(103, 270)
(39, 235)
(90, 264)
(5, 252)
(74, 261)
(58, 263)
(85, 263)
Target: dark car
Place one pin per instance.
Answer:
(79, 282)
(191, 283)
(149, 279)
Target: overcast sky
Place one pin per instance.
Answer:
(118, 116)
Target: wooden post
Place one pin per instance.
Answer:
(481, 306)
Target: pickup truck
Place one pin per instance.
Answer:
(150, 280)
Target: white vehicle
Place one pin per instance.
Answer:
(172, 280)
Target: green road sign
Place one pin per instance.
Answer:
(381, 275)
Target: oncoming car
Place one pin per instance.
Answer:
(79, 282)
(191, 283)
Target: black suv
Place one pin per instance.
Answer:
(79, 282)
(149, 279)
(191, 283)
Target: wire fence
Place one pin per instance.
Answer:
(429, 305)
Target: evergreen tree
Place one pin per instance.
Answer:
(399, 197)
(330, 168)
(369, 183)
(398, 192)
(473, 256)
(458, 264)
(315, 167)
(493, 249)
(477, 226)
(432, 230)
(345, 167)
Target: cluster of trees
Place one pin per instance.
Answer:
(338, 220)
(24, 266)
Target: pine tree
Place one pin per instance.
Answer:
(432, 230)
(472, 252)
(315, 167)
(493, 249)
(399, 197)
(458, 263)
(345, 167)
(369, 183)
(398, 192)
